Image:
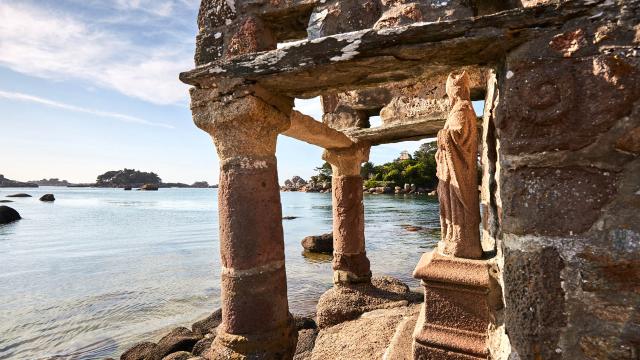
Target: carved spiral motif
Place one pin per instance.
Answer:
(548, 96)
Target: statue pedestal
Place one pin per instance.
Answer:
(459, 301)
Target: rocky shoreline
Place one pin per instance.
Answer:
(384, 310)
(297, 183)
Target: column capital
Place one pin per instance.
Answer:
(347, 161)
(241, 124)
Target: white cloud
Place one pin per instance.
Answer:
(156, 7)
(57, 46)
(311, 107)
(47, 102)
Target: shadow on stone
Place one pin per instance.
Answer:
(347, 302)
(208, 324)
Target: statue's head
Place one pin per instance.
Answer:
(458, 86)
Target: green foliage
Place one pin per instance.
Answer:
(420, 170)
(371, 183)
(324, 173)
(367, 170)
(393, 175)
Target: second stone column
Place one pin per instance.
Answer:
(350, 262)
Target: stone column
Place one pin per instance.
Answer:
(256, 322)
(350, 262)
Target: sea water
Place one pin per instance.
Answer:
(98, 270)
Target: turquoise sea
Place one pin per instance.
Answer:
(101, 269)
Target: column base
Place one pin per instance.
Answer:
(351, 268)
(278, 344)
(460, 299)
(342, 277)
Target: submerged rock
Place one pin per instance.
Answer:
(8, 215)
(412, 228)
(319, 243)
(6, 201)
(19, 195)
(289, 217)
(48, 198)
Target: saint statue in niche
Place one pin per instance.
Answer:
(456, 166)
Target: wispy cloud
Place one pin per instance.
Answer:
(62, 46)
(156, 7)
(52, 103)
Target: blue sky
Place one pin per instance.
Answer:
(88, 86)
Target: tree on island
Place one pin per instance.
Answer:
(127, 177)
(419, 169)
(324, 173)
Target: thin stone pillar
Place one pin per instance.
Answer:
(256, 322)
(350, 262)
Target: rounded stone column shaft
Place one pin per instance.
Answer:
(350, 262)
(255, 314)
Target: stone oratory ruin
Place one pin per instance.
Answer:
(554, 270)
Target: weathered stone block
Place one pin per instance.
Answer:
(339, 16)
(249, 35)
(549, 99)
(554, 201)
(534, 301)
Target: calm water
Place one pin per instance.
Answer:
(100, 269)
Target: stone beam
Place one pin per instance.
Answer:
(362, 58)
(307, 129)
(414, 130)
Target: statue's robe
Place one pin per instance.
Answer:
(456, 161)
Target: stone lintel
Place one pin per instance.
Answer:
(307, 129)
(461, 296)
(414, 130)
(351, 60)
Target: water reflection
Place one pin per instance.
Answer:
(316, 258)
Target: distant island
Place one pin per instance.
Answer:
(4, 183)
(50, 182)
(125, 178)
